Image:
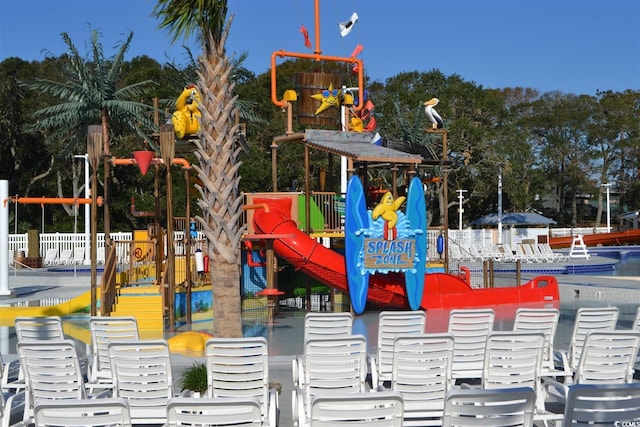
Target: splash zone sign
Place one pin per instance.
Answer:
(389, 254)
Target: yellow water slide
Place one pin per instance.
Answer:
(8, 314)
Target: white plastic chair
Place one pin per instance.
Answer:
(39, 328)
(332, 365)
(421, 373)
(588, 319)
(29, 328)
(239, 368)
(602, 405)
(383, 409)
(544, 320)
(607, 357)
(480, 407)
(142, 374)
(213, 412)
(83, 413)
(636, 327)
(392, 324)
(52, 372)
(11, 404)
(512, 360)
(321, 325)
(469, 328)
(105, 330)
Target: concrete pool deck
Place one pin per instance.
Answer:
(285, 337)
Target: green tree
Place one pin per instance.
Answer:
(218, 150)
(91, 92)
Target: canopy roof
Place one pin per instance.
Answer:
(355, 145)
(514, 218)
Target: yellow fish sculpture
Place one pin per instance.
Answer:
(186, 118)
(386, 209)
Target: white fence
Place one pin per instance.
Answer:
(459, 241)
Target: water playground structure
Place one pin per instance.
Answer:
(385, 261)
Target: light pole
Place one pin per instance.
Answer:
(500, 204)
(460, 208)
(87, 225)
(94, 152)
(608, 186)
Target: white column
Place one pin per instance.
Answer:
(500, 205)
(87, 208)
(4, 238)
(608, 185)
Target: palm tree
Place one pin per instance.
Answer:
(91, 94)
(217, 150)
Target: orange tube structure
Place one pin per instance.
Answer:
(54, 200)
(317, 57)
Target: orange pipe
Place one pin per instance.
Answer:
(155, 161)
(257, 206)
(317, 57)
(54, 200)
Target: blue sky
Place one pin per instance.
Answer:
(574, 46)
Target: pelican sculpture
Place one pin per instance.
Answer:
(432, 114)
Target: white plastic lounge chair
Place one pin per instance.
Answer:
(332, 365)
(469, 328)
(513, 253)
(543, 255)
(105, 330)
(530, 253)
(479, 407)
(100, 255)
(66, 256)
(213, 412)
(383, 409)
(392, 324)
(239, 368)
(142, 374)
(602, 405)
(588, 319)
(86, 413)
(51, 257)
(555, 256)
(421, 373)
(78, 255)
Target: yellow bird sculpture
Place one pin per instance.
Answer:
(186, 118)
(386, 209)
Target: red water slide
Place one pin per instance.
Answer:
(385, 290)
